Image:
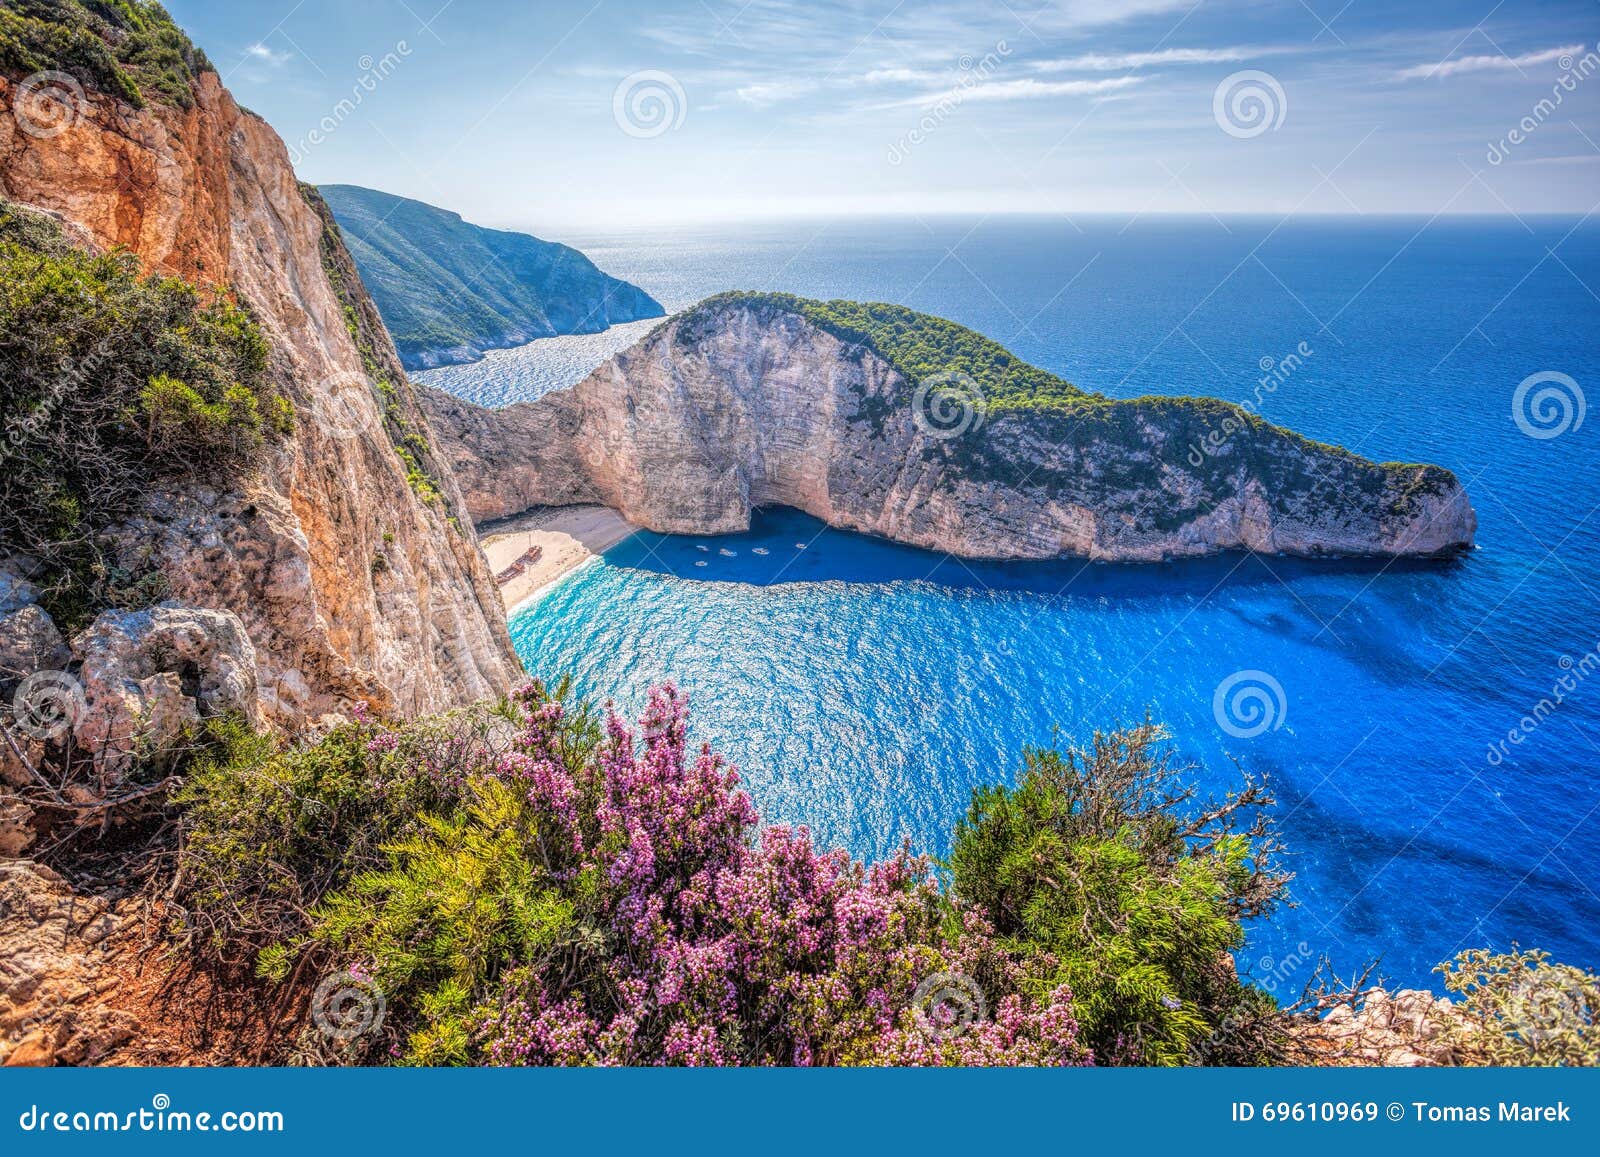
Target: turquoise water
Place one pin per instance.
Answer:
(864, 688)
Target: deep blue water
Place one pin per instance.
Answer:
(864, 688)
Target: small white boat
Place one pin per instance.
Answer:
(759, 550)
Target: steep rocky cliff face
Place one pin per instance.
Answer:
(744, 402)
(343, 558)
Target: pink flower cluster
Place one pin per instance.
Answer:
(703, 940)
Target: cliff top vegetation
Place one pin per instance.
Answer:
(110, 383)
(129, 48)
(1216, 440)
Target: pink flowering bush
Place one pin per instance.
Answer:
(596, 895)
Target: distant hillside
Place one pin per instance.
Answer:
(449, 290)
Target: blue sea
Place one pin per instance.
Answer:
(864, 688)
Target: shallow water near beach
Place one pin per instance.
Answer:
(864, 688)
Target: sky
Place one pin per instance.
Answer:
(598, 114)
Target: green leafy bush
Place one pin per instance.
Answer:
(271, 827)
(1520, 1009)
(111, 383)
(1097, 871)
(129, 48)
(461, 905)
(923, 347)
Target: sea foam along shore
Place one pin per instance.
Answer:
(567, 536)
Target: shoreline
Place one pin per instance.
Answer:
(486, 352)
(568, 537)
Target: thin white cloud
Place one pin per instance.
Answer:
(899, 76)
(1491, 63)
(1576, 159)
(1096, 13)
(265, 55)
(1118, 62)
(765, 93)
(813, 31)
(1026, 88)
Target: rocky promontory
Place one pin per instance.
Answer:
(878, 419)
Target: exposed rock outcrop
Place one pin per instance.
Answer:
(741, 403)
(149, 678)
(1411, 1028)
(29, 642)
(55, 947)
(207, 193)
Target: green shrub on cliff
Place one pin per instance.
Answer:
(1518, 1008)
(112, 383)
(129, 48)
(923, 347)
(559, 892)
(271, 827)
(458, 907)
(524, 885)
(1095, 869)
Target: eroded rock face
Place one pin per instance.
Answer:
(55, 946)
(29, 642)
(1410, 1028)
(208, 193)
(149, 678)
(734, 406)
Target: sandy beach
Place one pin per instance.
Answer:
(568, 537)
